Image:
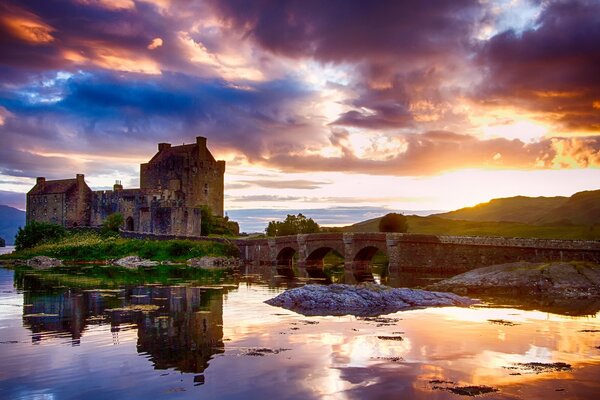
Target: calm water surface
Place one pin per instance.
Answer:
(98, 333)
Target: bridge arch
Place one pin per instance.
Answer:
(315, 259)
(285, 257)
(362, 261)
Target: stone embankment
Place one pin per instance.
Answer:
(361, 300)
(557, 279)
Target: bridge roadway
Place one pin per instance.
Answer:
(411, 252)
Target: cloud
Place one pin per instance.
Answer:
(96, 113)
(400, 54)
(552, 68)
(284, 184)
(12, 199)
(436, 152)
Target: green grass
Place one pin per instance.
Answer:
(441, 226)
(91, 247)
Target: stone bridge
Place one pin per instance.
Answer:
(411, 252)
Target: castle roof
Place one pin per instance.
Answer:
(54, 187)
(181, 149)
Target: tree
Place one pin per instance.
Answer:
(292, 225)
(214, 224)
(393, 222)
(35, 233)
(206, 221)
(111, 224)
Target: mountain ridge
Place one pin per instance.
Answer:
(10, 220)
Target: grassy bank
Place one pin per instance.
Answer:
(441, 226)
(91, 247)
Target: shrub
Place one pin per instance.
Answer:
(111, 224)
(178, 248)
(36, 233)
(393, 222)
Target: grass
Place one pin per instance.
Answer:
(441, 226)
(94, 276)
(91, 246)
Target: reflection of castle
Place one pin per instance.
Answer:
(183, 334)
(173, 185)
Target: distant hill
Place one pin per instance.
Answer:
(575, 217)
(583, 208)
(10, 221)
(512, 209)
(440, 226)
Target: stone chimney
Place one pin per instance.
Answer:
(80, 179)
(40, 180)
(117, 186)
(201, 142)
(163, 146)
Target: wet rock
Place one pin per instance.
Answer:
(43, 262)
(363, 300)
(539, 367)
(468, 390)
(557, 279)
(502, 322)
(135, 262)
(214, 262)
(260, 352)
(396, 338)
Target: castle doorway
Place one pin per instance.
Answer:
(129, 224)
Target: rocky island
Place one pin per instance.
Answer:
(555, 279)
(362, 300)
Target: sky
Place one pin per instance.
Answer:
(315, 105)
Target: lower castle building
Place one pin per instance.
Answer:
(174, 185)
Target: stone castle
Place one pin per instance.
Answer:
(174, 184)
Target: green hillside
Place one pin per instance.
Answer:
(582, 208)
(514, 209)
(440, 226)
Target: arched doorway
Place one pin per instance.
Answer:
(129, 224)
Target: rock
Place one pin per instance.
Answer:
(556, 279)
(135, 262)
(363, 300)
(214, 262)
(43, 262)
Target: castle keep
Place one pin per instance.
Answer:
(174, 184)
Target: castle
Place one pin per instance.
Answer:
(174, 184)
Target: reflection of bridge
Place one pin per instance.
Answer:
(410, 251)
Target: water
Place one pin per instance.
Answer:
(7, 249)
(72, 335)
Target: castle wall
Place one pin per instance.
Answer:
(70, 208)
(46, 208)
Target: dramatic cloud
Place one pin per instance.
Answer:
(552, 68)
(435, 152)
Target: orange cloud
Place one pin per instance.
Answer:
(110, 4)
(155, 43)
(26, 26)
